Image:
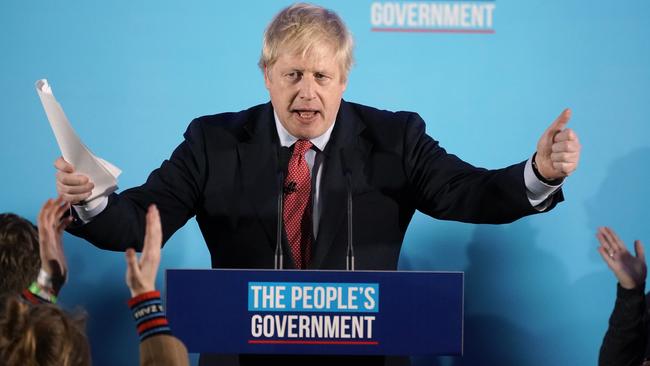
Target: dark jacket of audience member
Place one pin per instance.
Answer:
(626, 339)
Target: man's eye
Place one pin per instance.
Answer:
(293, 75)
(320, 76)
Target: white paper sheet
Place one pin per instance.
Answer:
(101, 172)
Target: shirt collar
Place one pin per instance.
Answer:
(287, 139)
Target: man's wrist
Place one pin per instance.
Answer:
(550, 182)
(87, 211)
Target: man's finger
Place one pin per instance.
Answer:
(63, 165)
(565, 168)
(565, 146)
(72, 179)
(565, 157)
(565, 135)
(84, 188)
(559, 123)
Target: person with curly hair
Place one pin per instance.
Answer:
(19, 259)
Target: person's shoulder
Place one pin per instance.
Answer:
(227, 124)
(231, 120)
(382, 122)
(379, 115)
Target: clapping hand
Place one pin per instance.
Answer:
(141, 273)
(50, 231)
(630, 270)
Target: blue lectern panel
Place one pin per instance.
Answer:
(317, 312)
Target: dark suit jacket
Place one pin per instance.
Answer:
(225, 173)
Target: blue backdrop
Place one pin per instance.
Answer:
(132, 74)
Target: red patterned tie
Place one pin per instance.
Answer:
(297, 205)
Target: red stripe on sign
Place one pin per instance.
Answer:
(430, 30)
(258, 341)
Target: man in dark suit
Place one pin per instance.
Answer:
(226, 171)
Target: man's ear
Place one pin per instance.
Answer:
(344, 84)
(267, 79)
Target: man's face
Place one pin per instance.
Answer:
(306, 91)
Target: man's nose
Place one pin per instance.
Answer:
(307, 88)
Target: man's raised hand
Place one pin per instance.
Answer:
(558, 150)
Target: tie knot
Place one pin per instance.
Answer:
(301, 146)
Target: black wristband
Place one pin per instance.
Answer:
(554, 182)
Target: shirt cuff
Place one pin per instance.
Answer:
(91, 209)
(537, 191)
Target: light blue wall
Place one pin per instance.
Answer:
(132, 74)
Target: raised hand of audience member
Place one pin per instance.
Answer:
(141, 273)
(630, 270)
(51, 223)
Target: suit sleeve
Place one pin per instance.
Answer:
(626, 338)
(445, 187)
(176, 188)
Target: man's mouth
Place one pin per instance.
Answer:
(306, 115)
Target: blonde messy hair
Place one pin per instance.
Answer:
(299, 27)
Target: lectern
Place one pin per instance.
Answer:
(316, 312)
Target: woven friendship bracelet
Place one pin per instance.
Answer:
(36, 294)
(149, 315)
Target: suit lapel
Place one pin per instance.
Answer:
(345, 137)
(258, 162)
